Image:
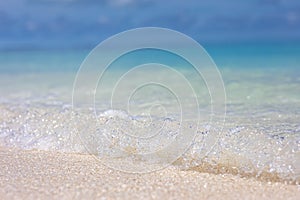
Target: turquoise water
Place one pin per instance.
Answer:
(261, 133)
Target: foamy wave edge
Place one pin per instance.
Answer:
(55, 128)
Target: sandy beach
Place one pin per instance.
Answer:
(199, 99)
(52, 175)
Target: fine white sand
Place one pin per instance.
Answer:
(52, 175)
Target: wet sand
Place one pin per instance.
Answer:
(52, 175)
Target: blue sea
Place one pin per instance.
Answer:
(138, 111)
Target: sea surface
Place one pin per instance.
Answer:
(137, 111)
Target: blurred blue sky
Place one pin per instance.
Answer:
(78, 23)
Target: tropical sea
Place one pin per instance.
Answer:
(259, 135)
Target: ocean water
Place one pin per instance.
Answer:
(125, 123)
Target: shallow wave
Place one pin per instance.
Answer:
(259, 149)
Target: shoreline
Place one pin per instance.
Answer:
(36, 174)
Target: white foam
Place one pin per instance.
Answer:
(56, 128)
